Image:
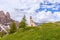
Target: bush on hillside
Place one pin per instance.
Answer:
(2, 33)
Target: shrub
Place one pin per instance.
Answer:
(2, 33)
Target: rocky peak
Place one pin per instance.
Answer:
(2, 14)
(7, 15)
(5, 18)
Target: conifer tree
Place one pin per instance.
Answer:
(23, 24)
(13, 27)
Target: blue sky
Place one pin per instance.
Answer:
(18, 8)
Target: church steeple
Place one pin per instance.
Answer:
(31, 22)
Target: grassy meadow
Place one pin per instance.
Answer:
(47, 31)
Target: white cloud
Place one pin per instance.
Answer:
(29, 7)
(8, 5)
(47, 17)
(44, 16)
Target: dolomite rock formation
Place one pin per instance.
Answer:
(5, 18)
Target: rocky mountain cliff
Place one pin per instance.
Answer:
(5, 18)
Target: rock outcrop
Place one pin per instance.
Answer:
(5, 21)
(4, 28)
(2, 17)
(5, 18)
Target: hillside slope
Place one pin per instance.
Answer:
(48, 31)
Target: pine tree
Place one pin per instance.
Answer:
(13, 28)
(23, 24)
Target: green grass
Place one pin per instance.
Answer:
(48, 31)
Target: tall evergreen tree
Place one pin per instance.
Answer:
(13, 27)
(23, 24)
